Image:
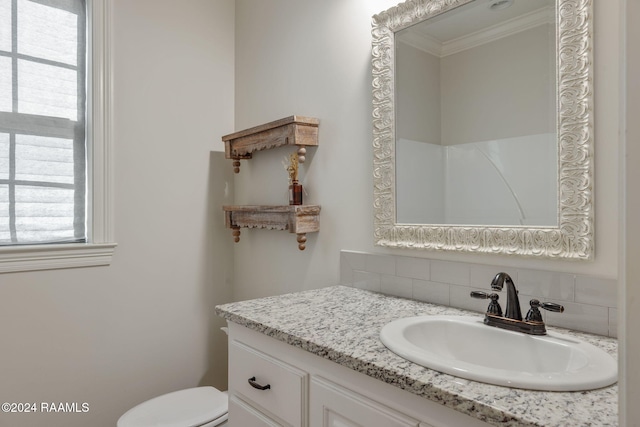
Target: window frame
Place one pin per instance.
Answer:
(100, 231)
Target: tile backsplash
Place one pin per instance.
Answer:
(589, 302)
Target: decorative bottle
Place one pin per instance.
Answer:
(295, 193)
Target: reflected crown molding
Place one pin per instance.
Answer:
(425, 42)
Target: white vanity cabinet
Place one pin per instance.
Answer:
(305, 390)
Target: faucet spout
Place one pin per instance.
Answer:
(512, 310)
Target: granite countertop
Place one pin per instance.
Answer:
(343, 324)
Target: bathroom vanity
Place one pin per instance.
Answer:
(314, 358)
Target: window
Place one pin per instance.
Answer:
(42, 122)
(55, 208)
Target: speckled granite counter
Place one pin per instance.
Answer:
(342, 324)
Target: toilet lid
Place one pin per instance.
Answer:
(192, 407)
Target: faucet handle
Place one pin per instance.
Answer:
(534, 314)
(479, 295)
(494, 308)
(551, 306)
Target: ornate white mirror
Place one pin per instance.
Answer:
(483, 126)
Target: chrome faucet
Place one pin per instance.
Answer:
(512, 318)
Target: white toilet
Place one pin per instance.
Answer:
(194, 407)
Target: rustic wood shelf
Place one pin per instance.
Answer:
(294, 130)
(298, 219)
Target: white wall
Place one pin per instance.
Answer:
(115, 336)
(418, 95)
(500, 89)
(309, 58)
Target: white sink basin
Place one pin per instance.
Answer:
(467, 348)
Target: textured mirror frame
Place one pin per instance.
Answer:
(573, 238)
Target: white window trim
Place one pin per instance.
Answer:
(100, 166)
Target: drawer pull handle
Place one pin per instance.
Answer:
(254, 384)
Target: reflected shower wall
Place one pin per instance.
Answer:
(511, 181)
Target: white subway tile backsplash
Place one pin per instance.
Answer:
(396, 286)
(596, 291)
(383, 264)
(456, 273)
(547, 284)
(590, 302)
(355, 260)
(581, 317)
(459, 296)
(366, 280)
(437, 293)
(415, 268)
(346, 271)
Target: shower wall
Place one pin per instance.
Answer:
(510, 181)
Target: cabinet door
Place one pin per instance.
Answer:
(241, 414)
(334, 406)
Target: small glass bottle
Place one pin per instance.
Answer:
(295, 193)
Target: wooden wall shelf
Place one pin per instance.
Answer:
(294, 130)
(298, 219)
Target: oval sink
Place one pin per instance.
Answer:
(467, 348)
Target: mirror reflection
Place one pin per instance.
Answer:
(476, 121)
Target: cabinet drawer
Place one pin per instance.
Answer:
(286, 392)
